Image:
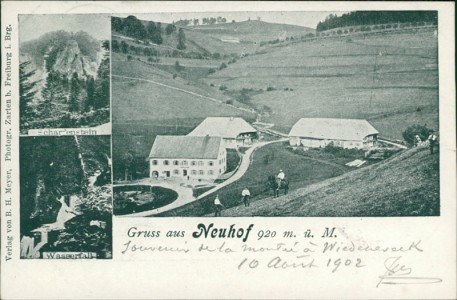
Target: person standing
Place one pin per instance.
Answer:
(217, 207)
(245, 194)
(432, 139)
(281, 175)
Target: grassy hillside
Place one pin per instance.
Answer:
(392, 80)
(222, 38)
(405, 185)
(139, 100)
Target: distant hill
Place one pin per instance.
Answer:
(241, 37)
(234, 39)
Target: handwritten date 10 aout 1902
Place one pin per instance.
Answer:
(301, 262)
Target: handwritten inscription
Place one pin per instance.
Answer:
(289, 251)
(399, 273)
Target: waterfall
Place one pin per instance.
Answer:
(66, 213)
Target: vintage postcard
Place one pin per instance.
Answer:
(228, 150)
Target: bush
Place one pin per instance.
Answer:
(411, 131)
(211, 71)
(270, 88)
(222, 66)
(175, 75)
(129, 57)
(223, 88)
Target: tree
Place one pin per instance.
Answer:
(196, 22)
(169, 29)
(102, 84)
(154, 32)
(134, 28)
(181, 40)
(115, 45)
(75, 92)
(124, 47)
(90, 90)
(27, 92)
(421, 130)
(52, 94)
(116, 24)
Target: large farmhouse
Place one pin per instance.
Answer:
(345, 133)
(235, 131)
(190, 157)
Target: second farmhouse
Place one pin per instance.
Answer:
(345, 133)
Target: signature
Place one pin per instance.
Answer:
(399, 273)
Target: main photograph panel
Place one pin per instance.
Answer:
(330, 114)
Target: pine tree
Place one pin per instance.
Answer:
(90, 89)
(26, 92)
(52, 94)
(181, 40)
(75, 91)
(102, 84)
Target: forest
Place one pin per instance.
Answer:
(64, 81)
(376, 17)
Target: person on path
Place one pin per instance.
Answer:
(217, 207)
(417, 140)
(432, 139)
(246, 194)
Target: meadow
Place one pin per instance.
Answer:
(391, 80)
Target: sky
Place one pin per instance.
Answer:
(33, 26)
(307, 19)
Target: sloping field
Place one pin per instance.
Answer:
(405, 185)
(163, 97)
(216, 38)
(391, 80)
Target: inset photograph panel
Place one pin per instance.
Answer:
(66, 197)
(64, 73)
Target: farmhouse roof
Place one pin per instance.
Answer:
(225, 127)
(335, 129)
(178, 146)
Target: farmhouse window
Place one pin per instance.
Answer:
(175, 171)
(210, 172)
(201, 172)
(210, 163)
(193, 163)
(184, 162)
(193, 172)
(166, 162)
(175, 162)
(200, 163)
(154, 162)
